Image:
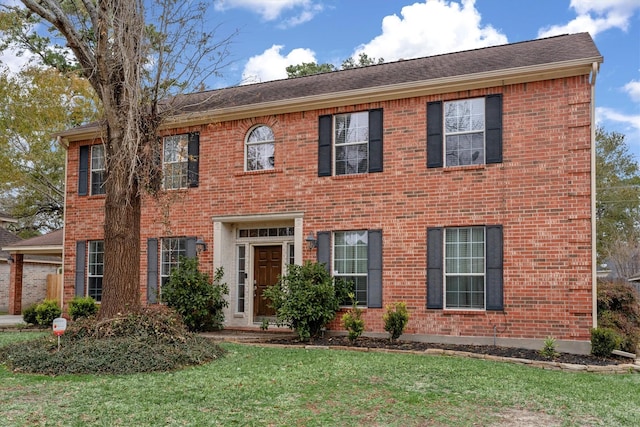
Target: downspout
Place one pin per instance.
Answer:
(65, 145)
(594, 277)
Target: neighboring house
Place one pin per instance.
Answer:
(461, 184)
(25, 266)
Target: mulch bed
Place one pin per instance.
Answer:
(520, 353)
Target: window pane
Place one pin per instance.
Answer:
(351, 139)
(95, 269)
(97, 169)
(260, 157)
(350, 260)
(464, 267)
(261, 134)
(464, 124)
(175, 161)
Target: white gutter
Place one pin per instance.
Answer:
(64, 215)
(594, 277)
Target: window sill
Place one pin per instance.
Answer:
(479, 312)
(464, 168)
(260, 172)
(350, 176)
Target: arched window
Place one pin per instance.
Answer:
(260, 149)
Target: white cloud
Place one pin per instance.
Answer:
(271, 64)
(633, 90)
(430, 28)
(630, 122)
(595, 16)
(270, 10)
(13, 62)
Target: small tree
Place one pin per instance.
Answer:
(306, 298)
(395, 319)
(352, 319)
(82, 307)
(191, 293)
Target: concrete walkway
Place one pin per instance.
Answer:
(10, 319)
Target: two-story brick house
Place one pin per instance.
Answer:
(461, 184)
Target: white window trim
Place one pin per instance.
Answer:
(93, 169)
(181, 161)
(89, 263)
(247, 144)
(445, 133)
(346, 144)
(483, 274)
(339, 275)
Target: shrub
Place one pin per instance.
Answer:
(29, 315)
(619, 310)
(46, 311)
(604, 341)
(151, 340)
(352, 319)
(306, 298)
(549, 349)
(195, 297)
(82, 307)
(395, 319)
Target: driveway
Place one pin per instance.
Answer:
(9, 319)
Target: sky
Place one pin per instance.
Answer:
(273, 34)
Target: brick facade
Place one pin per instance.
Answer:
(34, 283)
(540, 194)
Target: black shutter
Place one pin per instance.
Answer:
(435, 276)
(374, 274)
(83, 171)
(375, 140)
(325, 125)
(191, 251)
(493, 123)
(152, 271)
(324, 249)
(81, 257)
(193, 151)
(434, 135)
(494, 285)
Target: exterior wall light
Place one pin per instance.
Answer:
(201, 245)
(312, 242)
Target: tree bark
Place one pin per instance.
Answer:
(112, 60)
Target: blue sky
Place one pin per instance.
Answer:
(276, 33)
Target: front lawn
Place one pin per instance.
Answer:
(255, 386)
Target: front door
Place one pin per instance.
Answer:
(266, 272)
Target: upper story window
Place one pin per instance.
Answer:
(97, 169)
(260, 149)
(175, 161)
(180, 160)
(350, 143)
(351, 139)
(464, 132)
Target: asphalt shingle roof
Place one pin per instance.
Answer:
(516, 55)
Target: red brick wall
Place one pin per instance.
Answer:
(540, 194)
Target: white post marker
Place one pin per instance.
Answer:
(59, 326)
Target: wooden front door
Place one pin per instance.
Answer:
(266, 272)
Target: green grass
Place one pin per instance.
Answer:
(254, 386)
